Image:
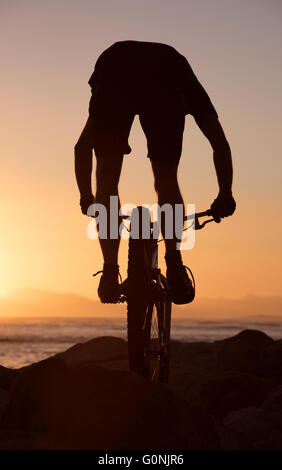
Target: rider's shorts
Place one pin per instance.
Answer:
(161, 113)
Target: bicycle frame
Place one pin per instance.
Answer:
(149, 303)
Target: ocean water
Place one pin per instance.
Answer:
(24, 341)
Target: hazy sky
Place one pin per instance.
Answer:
(48, 52)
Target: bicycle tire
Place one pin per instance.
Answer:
(164, 372)
(137, 293)
(148, 313)
(157, 339)
(136, 306)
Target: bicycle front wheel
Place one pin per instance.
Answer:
(157, 340)
(148, 312)
(136, 306)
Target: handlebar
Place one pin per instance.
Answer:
(194, 217)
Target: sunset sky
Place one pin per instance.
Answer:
(48, 52)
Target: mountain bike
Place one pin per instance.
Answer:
(148, 301)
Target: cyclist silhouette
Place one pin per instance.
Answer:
(156, 82)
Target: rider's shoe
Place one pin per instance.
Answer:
(109, 290)
(182, 288)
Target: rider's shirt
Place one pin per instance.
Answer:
(147, 67)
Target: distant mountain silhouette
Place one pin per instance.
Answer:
(30, 302)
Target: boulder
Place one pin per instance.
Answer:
(219, 392)
(221, 395)
(98, 350)
(6, 377)
(243, 352)
(262, 426)
(4, 398)
(91, 407)
(197, 354)
(18, 440)
(270, 365)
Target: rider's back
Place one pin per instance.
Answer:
(149, 68)
(138, 63)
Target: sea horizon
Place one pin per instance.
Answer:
(24, 341)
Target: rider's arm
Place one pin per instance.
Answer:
(198, 104)
(211, 128)
(83, 166)
(201, 107)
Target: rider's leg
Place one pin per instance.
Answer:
(167, 188)
(163, 123)
(112, 117)
(107, 178)
(166, 184)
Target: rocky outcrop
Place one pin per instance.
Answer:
(13, 440)
(99, 350)
(220, 392)
(221, 395)
(7, 377)
(261, 425)
(91, 407)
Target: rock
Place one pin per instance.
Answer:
(244, 351)
(262, 426)
(270, 365)
(4, 398)
(230, 439)
(219, 392)
(271, 409)
(221, 395)
(17, 440)
(197, 354)
(91, 407)
(249, 338)
(6, 377)
(98, 350)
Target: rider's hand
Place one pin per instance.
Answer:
(223, 206)
(85, 202)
